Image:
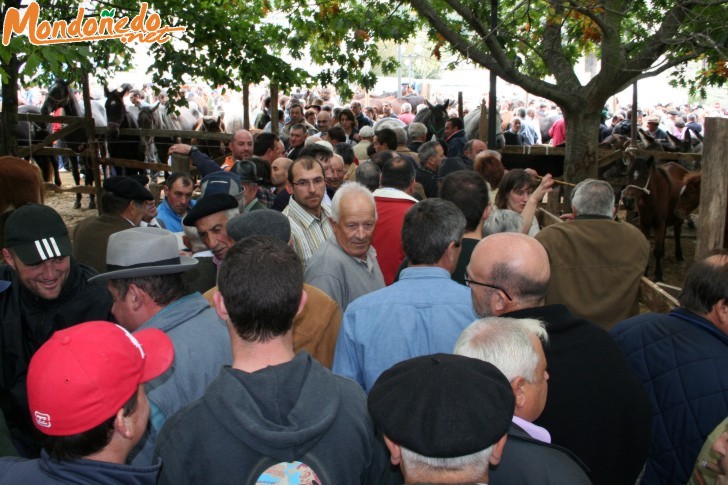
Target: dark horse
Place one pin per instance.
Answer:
(434, 118)
(60, 95)
(690, 200)
(149, 119)
(653, 191)
(128, 147)
(29, 133)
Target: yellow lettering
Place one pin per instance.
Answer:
(15, 23)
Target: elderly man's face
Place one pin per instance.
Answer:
(335, 172)
(324, 121)
(279, 171)
(45, 279)
(476, 147)
(387, 109)
(213, 232)
(355, 227)
(356, 108)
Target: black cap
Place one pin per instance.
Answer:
(210, 204)
(260, 223)
(36, 233)
(141, 178)
(442, 405)
(127, 188)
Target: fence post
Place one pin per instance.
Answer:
(91, 139)
(460, 105)
(246, 106)
(274, 108)
(713, 188)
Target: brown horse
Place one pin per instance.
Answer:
(653, 191)
(214, 149)
(690, 199)
(20, 183)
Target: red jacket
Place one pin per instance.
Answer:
(392, 205)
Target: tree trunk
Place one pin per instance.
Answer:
(582, 138)
(9, 115)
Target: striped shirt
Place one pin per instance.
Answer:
(308, 232)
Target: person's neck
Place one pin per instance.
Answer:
(254, 356)
(476, 233)
(314, 212)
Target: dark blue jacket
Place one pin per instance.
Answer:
(48, 471)
(682, 360)
(456, 144)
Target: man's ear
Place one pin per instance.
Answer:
(220, 307)
(136, 296)
(518, 389)
(9, 258)
(304, 299)
(487, 211)
(395, 451)
(720, 312)
(495, 457)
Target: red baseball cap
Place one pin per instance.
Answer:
(84, 374)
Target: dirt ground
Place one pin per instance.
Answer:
(674, 272)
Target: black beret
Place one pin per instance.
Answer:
(210, 204)
(442, 405)
(127, 188)
(141, 178)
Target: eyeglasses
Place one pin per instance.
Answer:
(317, 182)
(469, 282)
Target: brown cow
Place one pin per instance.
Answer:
(690, 199)
(20, 183)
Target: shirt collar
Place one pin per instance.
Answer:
(534, 431)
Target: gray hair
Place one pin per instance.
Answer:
(401, 135)
(348, 189)
(196, 244)
(505, 343)
(427, 151)
(593, 197)
(502, 220)
(369, 175)
(428, 229)
(417, 129)
(475, 464)
(405, 108)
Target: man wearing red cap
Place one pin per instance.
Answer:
(86, 394)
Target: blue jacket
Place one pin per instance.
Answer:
(172, 221)
(201, 348)
(682, 360)
(422, 313)
(456, 144)
(48, 471)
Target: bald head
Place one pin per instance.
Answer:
(279, 171)
(514, 263)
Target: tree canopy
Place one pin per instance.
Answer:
(536, 46)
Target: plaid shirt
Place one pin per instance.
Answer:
(308, 232)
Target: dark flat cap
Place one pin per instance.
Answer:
(210, 204)
(246, 170)
(260, 223)
(142, 179)
(127, 188)
(442, 405)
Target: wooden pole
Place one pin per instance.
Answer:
(483, 127)
(246, 106)
(274, 107)
(90, 137)
(713, 188)
(460, 105)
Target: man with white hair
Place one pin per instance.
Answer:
(596, 262)
(515, 347)
(418, 135)
(345, 267)
(405, 114)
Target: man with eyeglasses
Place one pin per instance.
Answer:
(310, 225)
(592, 390)
(422, 313)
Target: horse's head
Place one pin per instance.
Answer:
(58, 96)
(689, 195)
(434, 118)
(638, 181)
(115, 111)
(148, 118)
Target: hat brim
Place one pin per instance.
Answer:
(29, 253)
(186, 264)
(158, 352)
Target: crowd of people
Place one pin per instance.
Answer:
(348, 302)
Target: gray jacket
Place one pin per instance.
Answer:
(201, 348)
